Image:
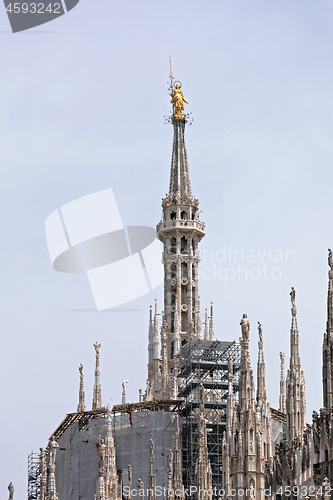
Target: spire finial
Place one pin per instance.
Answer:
(177, 98)
(81, 406)
(124, 385)
(97, 394)
(211, 323)
(293, 301)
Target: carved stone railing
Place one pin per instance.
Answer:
(184, 224)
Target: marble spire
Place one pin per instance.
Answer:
(328, 341)
(203, 470)
(206, 328)
(211, 323)
(97, 392)
(150, 345)
(177, 460)
(176, 329)
(295, 384)
(111, 476)
(81, 406)
(164, 357)
(261, 369)
(282, 398)
(151, 474)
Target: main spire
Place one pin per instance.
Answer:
(180, 185)
(180, 232)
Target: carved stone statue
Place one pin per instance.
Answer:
(100, 447)
(42, 462)
(109, 410)
(11, 491)
(245, 325)
(52, 448)
(260, 331)
(81, 369)
(124, 384)
(178, 102)
(330, 259)
(170, 461)
(282, 356)
(140, 484)
(97, 348)
(293, 297)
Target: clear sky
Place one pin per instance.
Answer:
(82, 103)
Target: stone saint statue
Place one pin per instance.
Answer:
(282, 356)
(100, 447)
(330, 259)
(97, 348)
(42, 462)
(81, 369)
(245, 325)
(178, 101)
(52, 448)
(260, 331)
(293, 297)
(11, 491)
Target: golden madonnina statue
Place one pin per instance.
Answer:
(178, 102)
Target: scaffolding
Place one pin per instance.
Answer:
(205, 363)
(33, 476)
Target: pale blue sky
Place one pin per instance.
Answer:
(82, 110)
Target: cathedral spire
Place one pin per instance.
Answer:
(176, 329)
(180, 184)
(206, 329)
(282, 398)
(180, 231)
(246, 381)
(111, 475)
(81, 406)
(177, 477)
(211, 323)
(164, 360)
(151, 475)
(261, 370)
(328, 341)
(203, 470)
(295, 360)
(155, 334)
(150, 345)
(295, 385)
(97, 393)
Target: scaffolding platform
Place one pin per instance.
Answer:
(205, 363)
(33, 476)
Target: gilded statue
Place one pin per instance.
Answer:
(178, 101)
